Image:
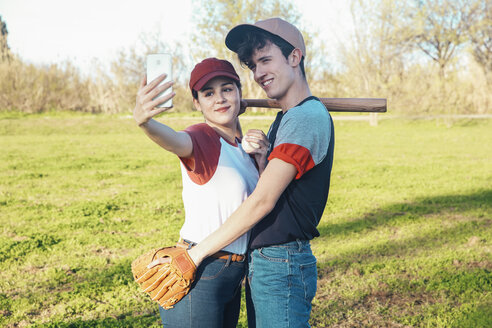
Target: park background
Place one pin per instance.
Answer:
(405, 237)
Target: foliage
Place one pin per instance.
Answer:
(405, 237)
(115, 88)
(480, 34)
(384, 58)
(4, 47)
(376, 59)
(32, 89)
(442, 28)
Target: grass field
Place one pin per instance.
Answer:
(405, 237)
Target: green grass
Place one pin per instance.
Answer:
(405, 238)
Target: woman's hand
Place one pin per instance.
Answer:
(145, 105)
(260, 143)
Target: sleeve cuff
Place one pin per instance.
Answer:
(294, 154)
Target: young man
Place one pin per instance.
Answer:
(288, 202)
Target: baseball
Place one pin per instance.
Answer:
(249, 146)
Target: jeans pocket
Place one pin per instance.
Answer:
(274, 254)
(211, 269)
(309, 274)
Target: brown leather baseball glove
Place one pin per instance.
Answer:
(165, 283)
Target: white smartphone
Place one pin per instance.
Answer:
(158, 64)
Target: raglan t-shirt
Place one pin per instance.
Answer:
(304, 137)
(217, 178)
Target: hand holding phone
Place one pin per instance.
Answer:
(158, 64)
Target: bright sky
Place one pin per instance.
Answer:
(49, 31)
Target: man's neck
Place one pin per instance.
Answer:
(296, 93)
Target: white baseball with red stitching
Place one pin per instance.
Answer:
(249, 146)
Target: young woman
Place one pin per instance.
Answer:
(218, 175)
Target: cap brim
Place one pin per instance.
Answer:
(207, 77)
(234, 37)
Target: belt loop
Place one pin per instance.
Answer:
(299, 243)
(229, 259)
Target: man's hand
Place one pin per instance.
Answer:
(145, 105)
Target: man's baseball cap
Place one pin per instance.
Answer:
(209, 68)
(276, 26)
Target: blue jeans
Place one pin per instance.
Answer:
(282, 283)
(214, 299)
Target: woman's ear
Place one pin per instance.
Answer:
(196, 103)
(295, 57)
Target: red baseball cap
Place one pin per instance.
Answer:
(208, 69)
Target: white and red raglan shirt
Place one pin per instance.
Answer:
(217, 178)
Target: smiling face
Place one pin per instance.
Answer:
(272, 71)
(219, 102)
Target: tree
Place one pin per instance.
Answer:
(443, 28)
(480, 34)
(4, 47)
(375, 57)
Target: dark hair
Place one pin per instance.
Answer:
(255, 40)
(194, 93)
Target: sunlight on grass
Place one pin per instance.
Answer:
(405, 237)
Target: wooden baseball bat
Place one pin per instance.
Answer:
(364, 105)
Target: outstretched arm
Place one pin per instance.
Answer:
(145, 109)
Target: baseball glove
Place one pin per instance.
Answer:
(165, 283)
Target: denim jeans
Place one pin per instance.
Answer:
(282, 283)
(214, 299)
